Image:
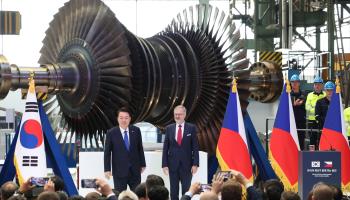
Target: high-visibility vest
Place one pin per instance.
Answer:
(310, 104)
(347, 120)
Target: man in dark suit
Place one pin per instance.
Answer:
(180, 152)
(124, 148)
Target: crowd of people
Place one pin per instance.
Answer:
(236, 187)
(310, 110)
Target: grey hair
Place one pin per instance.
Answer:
(127, 195)
(180, 106)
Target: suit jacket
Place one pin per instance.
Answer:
(321, 110)
(187, 154)
(112, 198)
(122, 159)
(185, 197)
(252, 194)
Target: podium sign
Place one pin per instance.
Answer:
(316, 166)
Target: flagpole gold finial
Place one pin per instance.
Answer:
(288, 88)
(337, 84)
(31, 82)
(234, 85)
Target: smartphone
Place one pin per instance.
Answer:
(39, 181)
(226, 174)
(88, 183)
(205, 187)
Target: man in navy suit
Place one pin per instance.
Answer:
(180, 152)
(124, 147)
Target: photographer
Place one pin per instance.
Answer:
(194, 189)
(252, 194)
(229, 188)
(7, 190)
(105, 189)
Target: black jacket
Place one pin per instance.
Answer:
(112, 198)
(321, 111)
(299, 110)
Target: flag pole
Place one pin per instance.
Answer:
(234, 85)
(337, 83)
(288, 88)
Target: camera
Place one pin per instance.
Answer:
(39, 181)
(205, 187)
(226, 174)
(88, 183)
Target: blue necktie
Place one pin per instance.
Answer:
(126, 140)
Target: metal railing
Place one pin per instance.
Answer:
(308, 132)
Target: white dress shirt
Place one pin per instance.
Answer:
(122, 132)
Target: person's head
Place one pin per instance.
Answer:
(273, 189)
(127, 195)
(59, 184)
(322, 191)
(329, 87)
(158, 192)
(208, 195)
(179, 114)
(231, 190)
(123, 117)
(154, 180)
(8, 189)
(318, 84)
(338, 194)
(92, 196)
(48, 196)
(289, 195)
(140, 191)
(63, 195)
(295, 82)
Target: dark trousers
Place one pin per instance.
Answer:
(314, 134)
(133, 180)
(301, 138)
(180, 175)
(301, 134)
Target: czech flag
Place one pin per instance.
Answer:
(284, 143)
(232, 149)
(334, 136)
(29, 157)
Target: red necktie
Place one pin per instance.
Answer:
(179, 135)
